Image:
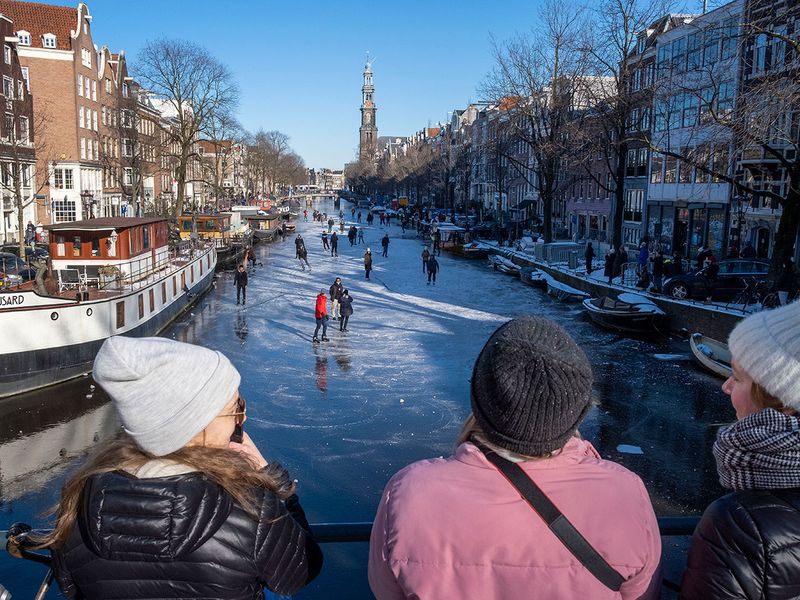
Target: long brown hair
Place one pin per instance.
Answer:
(236, 473)
(764, 399)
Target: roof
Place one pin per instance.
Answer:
(211, 146)
(509, 102)
(103, 223)
(432, 131)
(39, 19)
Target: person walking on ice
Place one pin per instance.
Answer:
(385, 244)
(367, 262)
(240, 281)
(433, 268)
(321, 317)
(360, 235)
(336, 293)
(334, 244)
(325, 244)
(302, 256)
(346, 303)
(425, 256)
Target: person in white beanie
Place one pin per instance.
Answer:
(747, 545)
(181, 503)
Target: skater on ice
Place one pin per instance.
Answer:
(321, 317)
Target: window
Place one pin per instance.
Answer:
(103, 114)
(94, 120)
(120, 314)
(721, 159)
(174, 286)
(95, 153)
(691, 107)
(7, 54)
(152, 298)
(64, 210)
(760, 53)
(9, 126)
(83, 148)
(108, 85)
(86, 57)
(140, 301)
(80, 85)
(679, 55)
(701, 157)
(128, 178)
(8, 88)
(126, 117)
(127, 147)
(86, 87)
(94, 90)
(25, 77)
(26, 175)
(21, 90)
(23, 130)
(670, 169)
(730, 33)
(77, 246)
(24, 38)
(81, 119)
(656, 168)
(124, 90)
(49, 40)
(634, 199)
(710, 46)
(163, 292)
(62, 179)
(727, 92)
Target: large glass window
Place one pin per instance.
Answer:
(656, 168)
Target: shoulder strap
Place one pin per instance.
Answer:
(555, 520)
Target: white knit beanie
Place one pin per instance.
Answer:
(767, 346)
(165, 392)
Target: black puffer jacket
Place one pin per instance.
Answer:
(747, 545)
(183, 537)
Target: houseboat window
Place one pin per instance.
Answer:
(192, 268)
(96, 247)
(174, 286)
(187, 225)
(146, 233)
(120, 314)
(60, 249)
(201, 267)
(76, 246)
(141, 306)
(183, 280)
(163, 293)
(152, 300)
(210, 226)
(208, 260)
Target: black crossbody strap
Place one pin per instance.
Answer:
(555, 519)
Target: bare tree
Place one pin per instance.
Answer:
(196, 86)
(543, 74)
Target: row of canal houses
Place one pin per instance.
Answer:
(664, 199)
(80, 137)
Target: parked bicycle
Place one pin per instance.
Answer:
(756, 292)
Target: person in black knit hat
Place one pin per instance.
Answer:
(531, 387)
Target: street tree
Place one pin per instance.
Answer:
(196, 87)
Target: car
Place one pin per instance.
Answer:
(40, 251)
(11, 269)
(733, 277)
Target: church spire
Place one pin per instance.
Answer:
(368, 132)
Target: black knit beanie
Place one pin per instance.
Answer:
(531, 386)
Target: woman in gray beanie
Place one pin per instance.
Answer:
(747, 545)
(181, 503)
(458, 527)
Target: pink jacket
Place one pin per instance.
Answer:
(455, 528)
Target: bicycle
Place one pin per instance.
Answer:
(756, 292)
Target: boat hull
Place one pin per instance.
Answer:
(641, 324)
(720, 364)
(533, 278)
(27, 370)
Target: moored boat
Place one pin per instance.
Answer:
(711, 354)
(564, 292)
(628, 313)
(533, 277)
(504, 265)
(109, 276)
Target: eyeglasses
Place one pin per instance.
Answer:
(241, 411)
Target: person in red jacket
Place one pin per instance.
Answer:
(321, 316)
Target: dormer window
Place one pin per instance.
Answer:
(7, 54)
(24, 38)
(49, 40)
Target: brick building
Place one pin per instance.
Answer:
(17, 152)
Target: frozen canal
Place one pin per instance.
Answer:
(343, 416)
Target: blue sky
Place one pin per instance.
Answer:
(299, 63)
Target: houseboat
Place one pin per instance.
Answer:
(108, 276)
(217, 229)
(263, 226)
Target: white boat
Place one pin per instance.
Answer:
(564, 292)
(109, 276)
(504, 265)
(533, 277)
(711, 354)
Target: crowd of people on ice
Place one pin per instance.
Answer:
(182, 503)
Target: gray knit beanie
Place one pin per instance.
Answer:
(767, 346)
(165, 392)
(531, 386)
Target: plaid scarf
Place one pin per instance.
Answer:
(759, 452)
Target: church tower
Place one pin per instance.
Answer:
(368, 132)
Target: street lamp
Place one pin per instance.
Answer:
(86, 203)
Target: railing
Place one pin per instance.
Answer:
(335, 533)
